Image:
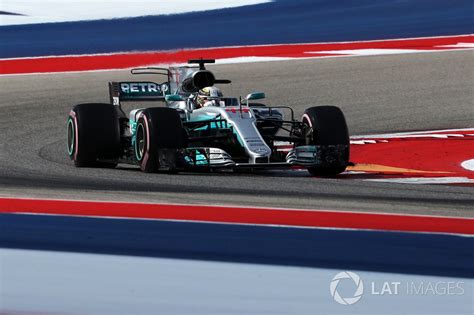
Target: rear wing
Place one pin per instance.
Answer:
(137, 91)
(187, 79)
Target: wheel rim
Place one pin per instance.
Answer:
(140, 142)
(71, 136)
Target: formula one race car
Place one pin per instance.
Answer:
(225, 133)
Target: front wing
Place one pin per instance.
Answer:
(304, 156)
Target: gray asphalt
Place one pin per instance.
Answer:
(377, 94)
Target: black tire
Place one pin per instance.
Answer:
(157, 128)
(326, 125)
(93, 135)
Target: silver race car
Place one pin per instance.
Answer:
(223, 133)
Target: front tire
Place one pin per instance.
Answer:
(326, 125)
(159, 135)
(93, 135)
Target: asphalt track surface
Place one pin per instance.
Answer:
(378, 94)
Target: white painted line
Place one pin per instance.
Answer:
(469, 165)
(425, 180)
(366, 141)
(250, 59)
(410, 133)
(458, 45)
(439, 136)
(357, 142)
(369, 52)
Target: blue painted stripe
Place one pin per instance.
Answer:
(281, 21)
(429, 254)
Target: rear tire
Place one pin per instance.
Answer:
(159, 134)
(326, 125)
(93, 135)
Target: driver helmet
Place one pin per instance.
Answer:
(210, 93)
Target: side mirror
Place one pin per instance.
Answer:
(255, 96)
(173, 98)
